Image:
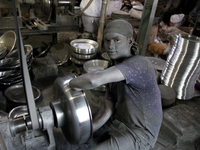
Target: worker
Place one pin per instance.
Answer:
(133, 113)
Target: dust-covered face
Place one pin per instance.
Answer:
(117, 45)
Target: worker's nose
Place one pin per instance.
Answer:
(111, 45)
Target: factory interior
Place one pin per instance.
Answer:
(38, 111)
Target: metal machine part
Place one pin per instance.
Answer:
(59, 11)
(76, 112)
(27, 1)
(23, 125)
(71, 113)
(49, 16)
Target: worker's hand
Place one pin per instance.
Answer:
(76, 89)
(73, 88)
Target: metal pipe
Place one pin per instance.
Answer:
(101, 25)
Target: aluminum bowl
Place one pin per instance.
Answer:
(84, 46)
(8, 39)
(95, 65)
(15, 93)
(28, 50)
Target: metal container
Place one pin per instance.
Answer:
(73, 111)
(84, 46)
(8, 39)
(15, 93)
(95, 65)
(183, 66)
(86, 56)
(77, 61)
(28, 50)
(60, 53)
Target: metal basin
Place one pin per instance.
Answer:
(95, 65)
(15, 93)
(84, 46)
(28, 49)
(8, 40)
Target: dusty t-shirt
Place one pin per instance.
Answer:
(137, 99)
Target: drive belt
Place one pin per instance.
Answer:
(25, 74)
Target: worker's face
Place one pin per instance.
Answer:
(117, 45)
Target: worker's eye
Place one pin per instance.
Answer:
(107, 40)
(117, 40)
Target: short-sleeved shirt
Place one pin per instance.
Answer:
(137, 99)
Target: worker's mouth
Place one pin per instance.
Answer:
(111, 52)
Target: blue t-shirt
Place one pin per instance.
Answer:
(138, 99)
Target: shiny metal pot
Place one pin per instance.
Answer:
(72, 112)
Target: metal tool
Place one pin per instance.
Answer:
(40, 24)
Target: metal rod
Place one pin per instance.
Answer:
(25, 74)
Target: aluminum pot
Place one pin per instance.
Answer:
(72, 112)
(84, 46)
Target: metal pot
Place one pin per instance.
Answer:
(84, 46)
(72, 112)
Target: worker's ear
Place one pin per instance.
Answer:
(130, 40)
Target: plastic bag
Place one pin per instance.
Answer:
(177, 20)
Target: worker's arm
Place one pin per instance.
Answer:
(97, 78)
(104, 113)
